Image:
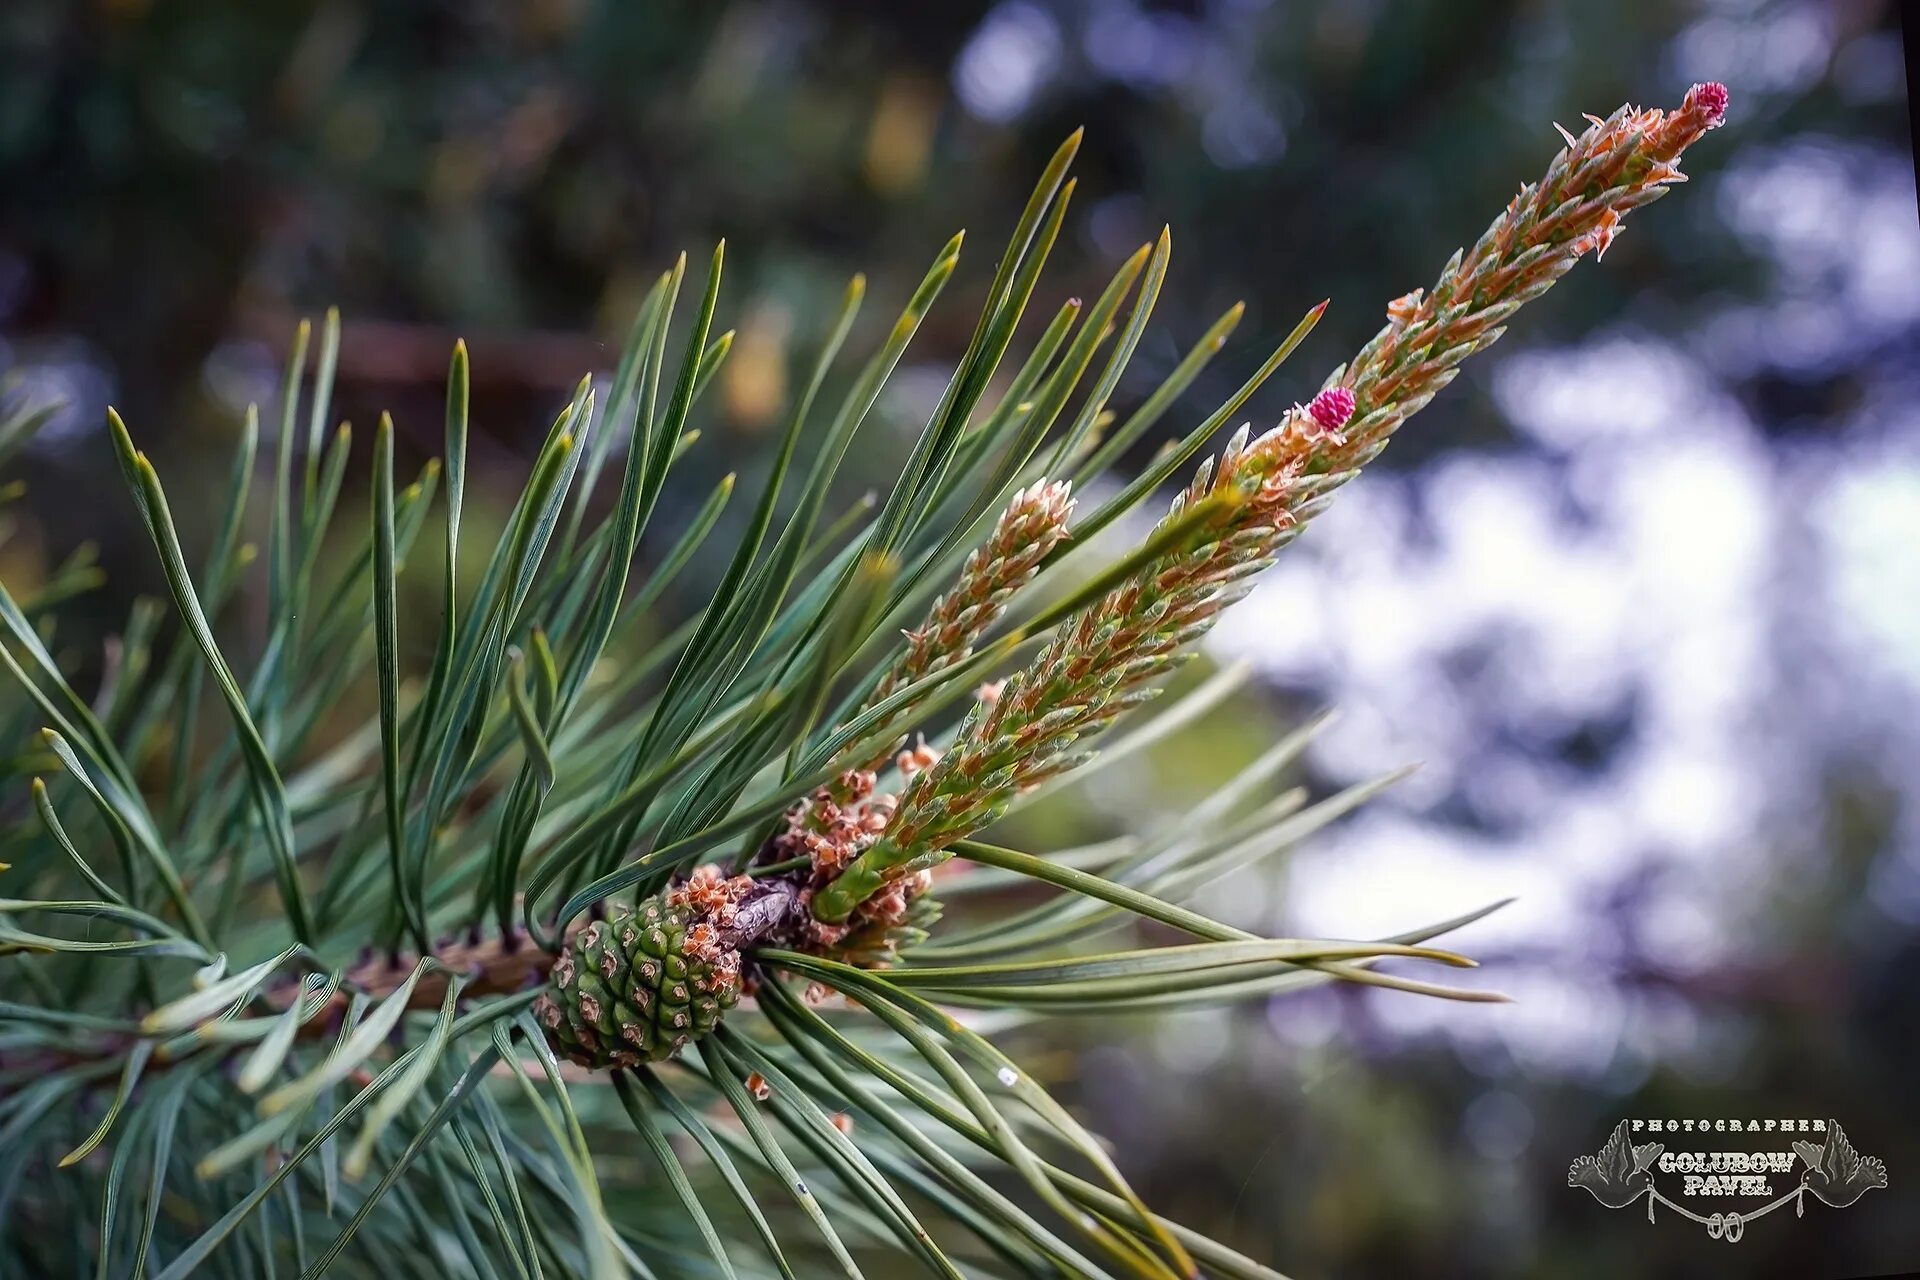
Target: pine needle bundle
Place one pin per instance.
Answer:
(568, 964)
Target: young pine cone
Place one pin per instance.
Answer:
(642, 984)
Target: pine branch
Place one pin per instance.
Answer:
(284, 998)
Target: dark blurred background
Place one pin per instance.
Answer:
(1641, 589)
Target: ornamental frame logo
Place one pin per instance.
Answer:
(1823, 1165)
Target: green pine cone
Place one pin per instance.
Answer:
(638, 986)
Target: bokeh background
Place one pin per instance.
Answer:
(1642, 590)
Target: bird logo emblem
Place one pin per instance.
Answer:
(1836, 1173)
(1618, 1175)
(1720, 1188)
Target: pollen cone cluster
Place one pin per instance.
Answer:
(645, 982)
(832, 828)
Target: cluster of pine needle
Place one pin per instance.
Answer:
(567, 966)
